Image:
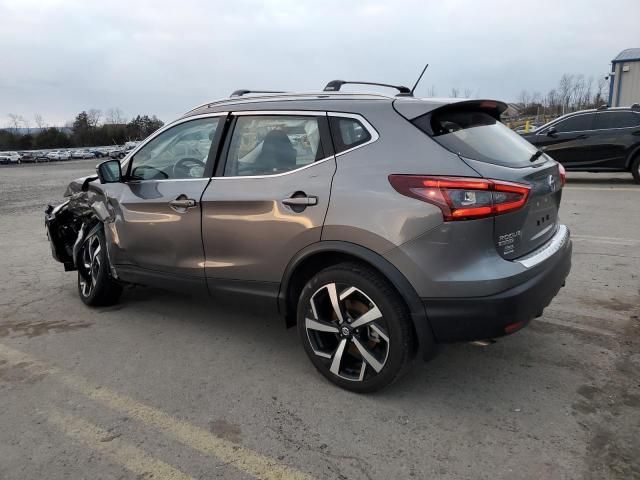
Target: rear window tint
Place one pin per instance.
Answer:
(477, 135)
(347, 133)
(606, 120)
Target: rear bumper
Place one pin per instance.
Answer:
(475, 318)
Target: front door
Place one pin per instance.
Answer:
(567, 142)
(156, 235)
(267, 201)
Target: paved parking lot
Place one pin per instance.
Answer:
(167, 386)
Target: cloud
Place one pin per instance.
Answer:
(162, 57)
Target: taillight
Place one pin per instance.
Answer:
(563, 175)
(462, 198)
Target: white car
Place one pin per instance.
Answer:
(9, 157)
(59, 155)
(78, 154)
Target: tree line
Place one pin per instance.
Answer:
(574, 92)
(90, 128)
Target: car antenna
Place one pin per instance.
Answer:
(419, 78)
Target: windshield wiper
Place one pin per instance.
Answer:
(536, 155)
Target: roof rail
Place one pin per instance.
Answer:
(604, 106)
(335, 85)
(241, 92)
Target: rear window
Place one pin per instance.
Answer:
(347, 133)
(605, 120)
(477, 135)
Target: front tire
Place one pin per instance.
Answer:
(95, 284)
(635, 169)
(355, 327)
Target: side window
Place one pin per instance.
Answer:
(271, 144)
(347, 133)
(576, 123)
(180, 152)
(605, 120)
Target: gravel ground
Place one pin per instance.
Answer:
(168, 386)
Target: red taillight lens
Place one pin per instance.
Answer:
(563, 175)
(462, 198)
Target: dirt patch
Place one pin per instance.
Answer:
(30, 329)
(228, 431)
(18, 373)
(614, 304)
(610, 413)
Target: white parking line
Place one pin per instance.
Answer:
(606, 189)
(606, 240)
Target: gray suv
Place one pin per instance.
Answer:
(379, 225)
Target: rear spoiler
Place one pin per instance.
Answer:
(414, 108)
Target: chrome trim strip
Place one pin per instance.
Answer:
(558, 241)
(301, 113)
(275, 175)
(370, 128)
(372, 131)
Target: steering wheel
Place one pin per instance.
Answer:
(182, 168)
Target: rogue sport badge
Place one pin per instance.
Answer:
(552, 183)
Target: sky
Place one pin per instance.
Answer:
(59, 57)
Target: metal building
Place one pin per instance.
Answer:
(624, 83)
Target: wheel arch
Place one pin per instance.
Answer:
(631, 157)
(317, 256)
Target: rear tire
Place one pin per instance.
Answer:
(95, 284)
(355, 328)
(635, 169)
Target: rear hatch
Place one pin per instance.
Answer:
(472, 130)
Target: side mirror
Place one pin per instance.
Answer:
(109, 171)
(552, 132)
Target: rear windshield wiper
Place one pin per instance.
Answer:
(536, 155)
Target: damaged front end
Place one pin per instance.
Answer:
(68, 223)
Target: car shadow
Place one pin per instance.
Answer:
(504, 376)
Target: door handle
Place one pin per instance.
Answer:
(637, 132)
(582, 137)
(300, 201)
(182, 203)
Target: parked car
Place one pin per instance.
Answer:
(27, 157)
(603, 140)
(119, 152)
(59, 155)
(78, 154)
(95, 153)
(42, 157)
(9, 157)
(396, 224)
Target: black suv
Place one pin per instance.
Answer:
(603, 140)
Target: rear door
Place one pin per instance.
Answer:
(615, 133)
(569, 143)
(268, 199)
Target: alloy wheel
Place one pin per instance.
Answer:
(347, 329)
(91, 265)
